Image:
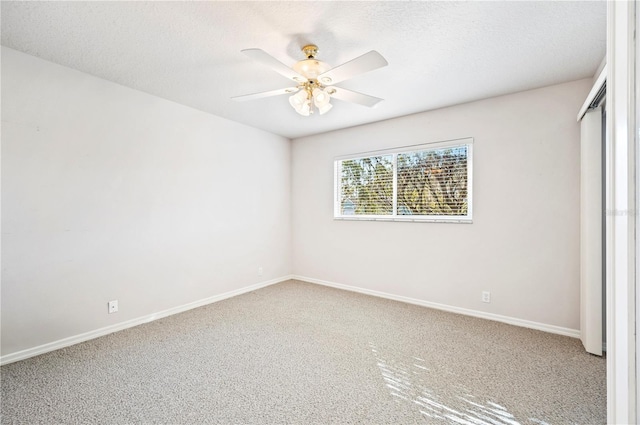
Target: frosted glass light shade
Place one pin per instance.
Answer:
(305, 109)
(298, 99)
(320, 98)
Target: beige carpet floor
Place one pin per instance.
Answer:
(297, 353)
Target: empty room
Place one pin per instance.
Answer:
(335, 212)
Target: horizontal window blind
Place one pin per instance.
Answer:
(425, 184)
(433, 182)
(367, 186)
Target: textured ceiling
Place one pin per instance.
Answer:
(439, 53)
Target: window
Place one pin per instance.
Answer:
(416, 183)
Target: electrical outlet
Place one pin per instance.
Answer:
(113, 306)
(486, 296)
(260, 271)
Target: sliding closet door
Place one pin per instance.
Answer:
(591, 251)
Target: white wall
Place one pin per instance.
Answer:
(110, 193)
(523, 245)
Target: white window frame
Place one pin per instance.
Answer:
(337, 172)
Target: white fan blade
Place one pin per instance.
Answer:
(288, 90)
(360, 65)
(352, 96)
(273, 63)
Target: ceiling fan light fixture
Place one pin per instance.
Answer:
(309, 96)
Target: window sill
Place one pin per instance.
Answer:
(407, 219)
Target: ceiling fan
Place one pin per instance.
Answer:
(314, 80)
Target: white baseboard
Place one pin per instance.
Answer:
(56, 345)
(574, 333)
